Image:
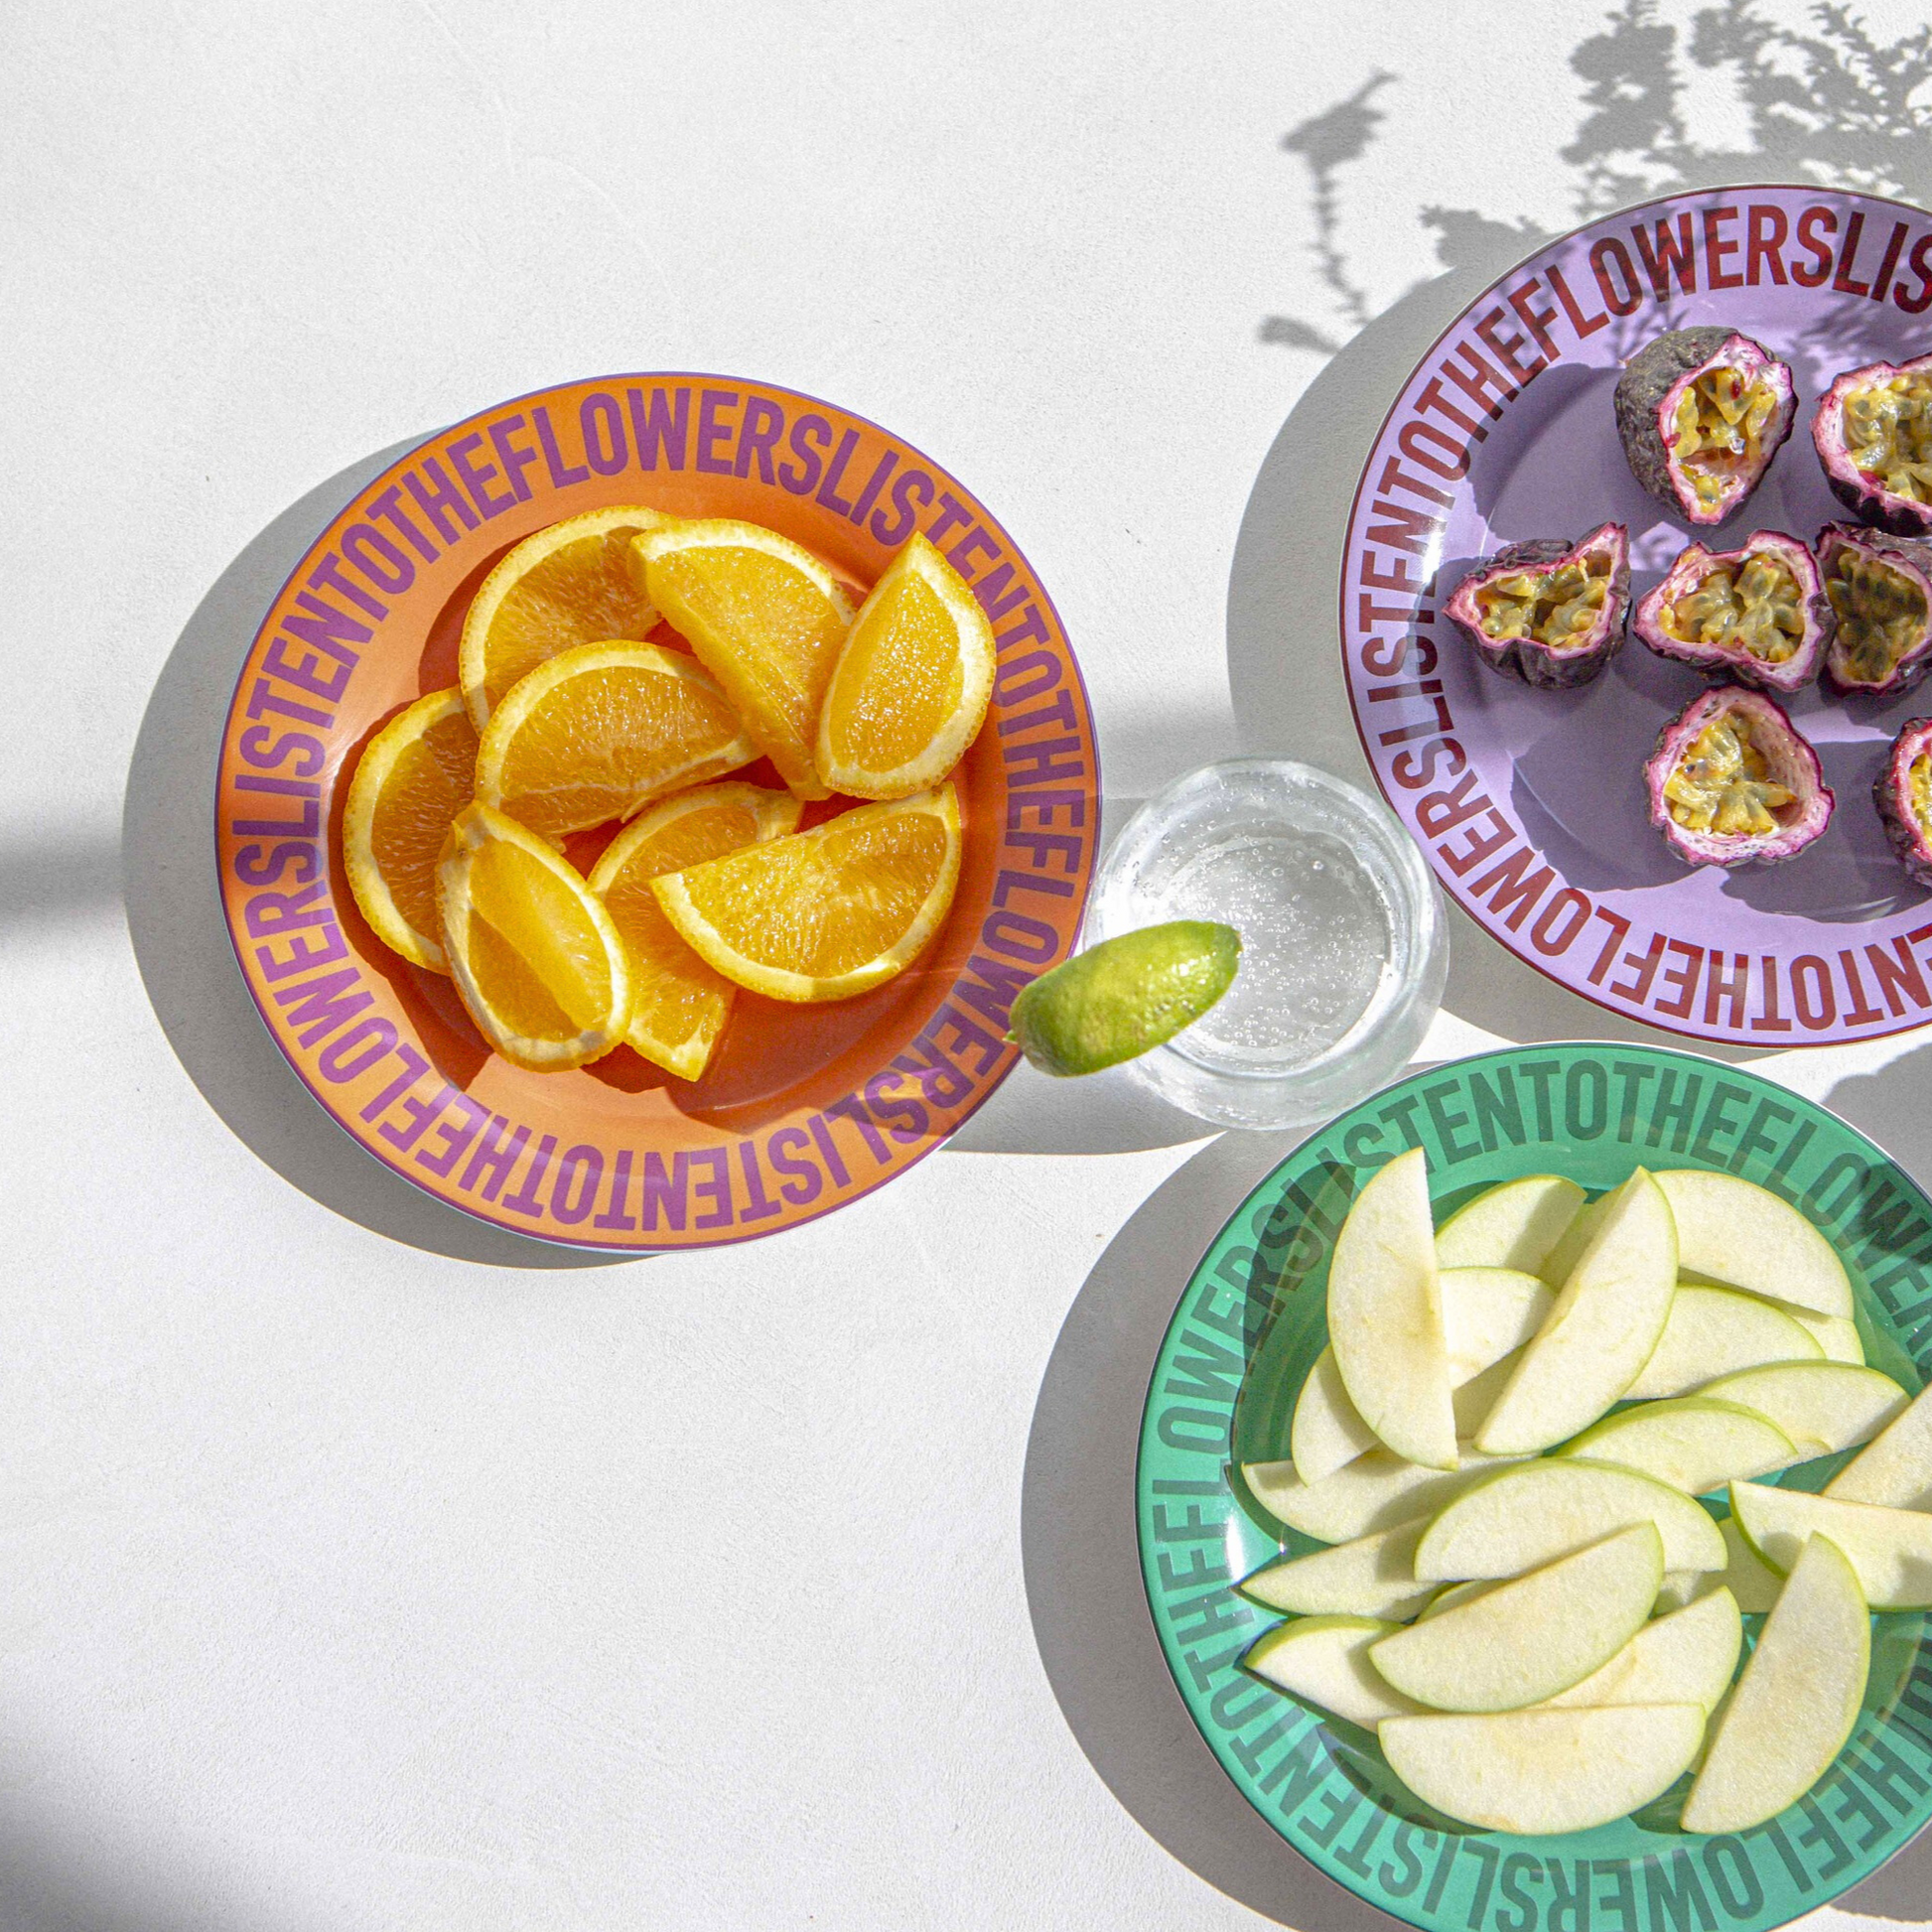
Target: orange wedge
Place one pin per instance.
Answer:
(827, 914)
(413, 777)
(532, 950)
(910, 688)
(679, 1005)
(596, 732)
(572, 584)
(766, 617)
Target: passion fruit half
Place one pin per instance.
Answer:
(1758, 614)
(1881, 589)
(1549, 611)
(1702, 412)
(1903, 793)
(1732, 782)
(1872, 430)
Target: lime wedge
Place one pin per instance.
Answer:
(1120, 997)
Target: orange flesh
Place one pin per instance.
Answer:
(823, 906)
(525, 926)
(767, 633)
(430, 782)
(902, 673)
(584, 594)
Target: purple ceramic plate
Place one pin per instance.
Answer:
(1531, 805)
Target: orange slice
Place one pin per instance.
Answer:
(532, 950)
(827, 914)
(413, 777)
(766, 617)
(599, 731)
(910, 688)
(572, 584)
(679, 1003)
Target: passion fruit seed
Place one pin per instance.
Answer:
(1721, 420)
(1754, 608)
(1125, 995)
(1922, 792)
(1722, 784)
(1889, 433)
(1882, 614)
(1551, 606)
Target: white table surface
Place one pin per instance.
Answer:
(362, 1568)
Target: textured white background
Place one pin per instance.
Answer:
(346, 1584)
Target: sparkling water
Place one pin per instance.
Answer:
(1343, 949)
(1315, 944)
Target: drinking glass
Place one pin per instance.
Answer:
(1344, 946)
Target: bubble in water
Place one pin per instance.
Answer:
(1315, 944)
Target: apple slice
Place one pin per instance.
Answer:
(1823, 1407)
(1606, 1320)
(1895, 1467)
(1891, 1549)
(1324, 1660)
(1487, 1312)
(1474, 1399)
(1694, 1443)
(1328, 1431)
(1797, 1701)
(1681, 1587)
(1511, 1226)
(1376, 1491)
(1714, 1332)
(1747, 1574)
(1686, 1657)
(1738, 1233)
(1564, 1257)
(1835, 1334)
(1529, 1639)
(1544, 1771)
(1372, 1576)
(1385, 1316)
(1523, 1517)
(1450, 1594)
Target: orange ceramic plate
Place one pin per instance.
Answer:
(801, 1109)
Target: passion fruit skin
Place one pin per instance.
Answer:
(1646, 394)
(1864, 495)
(1891, 792)
(1794, 761)
(1911, 555)
(1527, 658)
(1732, 660)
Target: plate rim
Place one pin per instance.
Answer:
(1087, 725)
(1488, 290)
(1844, 1881)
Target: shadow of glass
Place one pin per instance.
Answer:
(181, 944)
(1082, 1573)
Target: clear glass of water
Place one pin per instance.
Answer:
(1344, 946)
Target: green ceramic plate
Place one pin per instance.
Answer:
(1244, 1334)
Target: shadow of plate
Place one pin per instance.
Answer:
(180, 942)
(1082, 1571)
